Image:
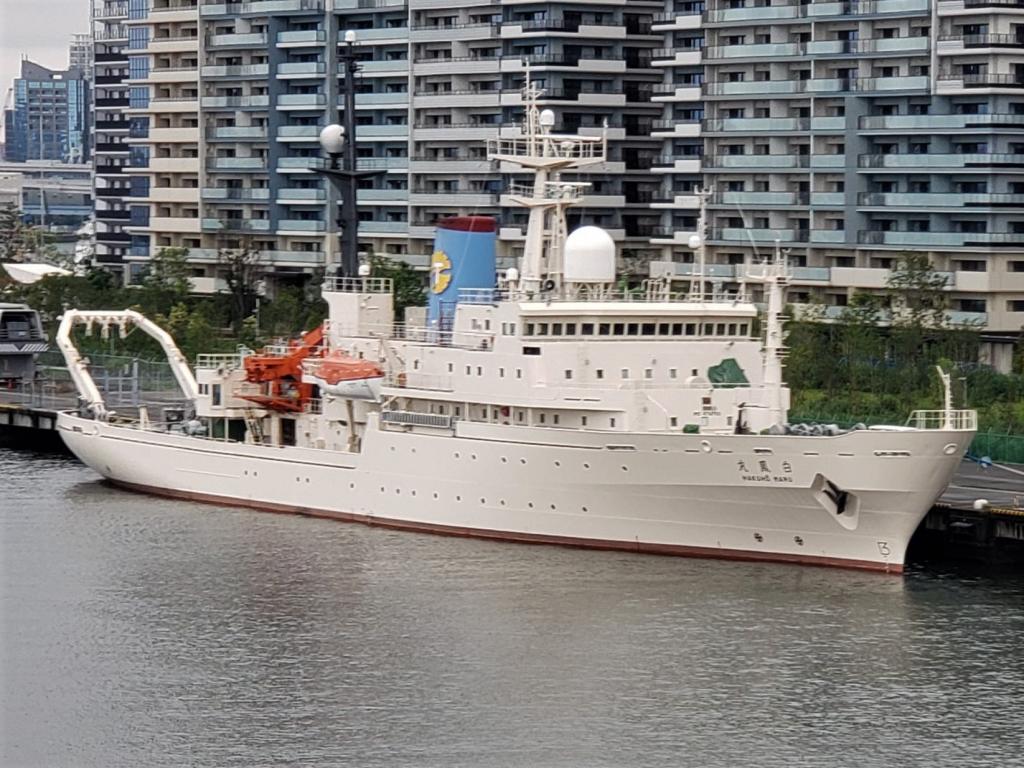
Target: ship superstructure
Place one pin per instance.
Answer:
(548, 404)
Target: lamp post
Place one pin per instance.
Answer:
(339, 142)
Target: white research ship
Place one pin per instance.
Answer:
(548, 406)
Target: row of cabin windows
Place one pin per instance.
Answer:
(624, 373)
(498, 414)
(636, 329)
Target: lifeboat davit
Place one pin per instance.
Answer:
(342, 375)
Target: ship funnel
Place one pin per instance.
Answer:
(464, 258)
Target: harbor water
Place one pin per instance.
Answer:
(146, 632)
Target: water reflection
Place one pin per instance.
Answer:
(140, 631)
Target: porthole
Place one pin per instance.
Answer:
(705, 446)
(458, 498)
(473, 457)
(625, 468)
(950, 449)
(413, 493)
(553, 507)
(351, 486)
(558, 463)
(584, 509)
(504, 460)
(522, 461)
(382, 489)
(483, 501)
(586, 466)
(529, 504)
(435, 495)
(456, 454)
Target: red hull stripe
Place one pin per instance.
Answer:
(676, 550)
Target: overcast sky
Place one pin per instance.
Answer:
(42, 30)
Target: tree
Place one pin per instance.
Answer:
(861, 340)
(165, 282)
(409, 285)
(918, 292)
(242, 268)
(12, 233)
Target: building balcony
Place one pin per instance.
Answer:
(257, 101)
(949, 83)
(459, 65)
(296, 101)
(669, 22)
(170, 195)
(300, 196)
(173, 165)
(384, 228)
(933, 123)
(975, 162)
(236, 225)
(673, 92)
(238, 40)
(301, 69)
(237, 133)
(383, 67)
(941, 240)
(757, 125)
(181, 224)
(234, 164)
(235, 71)
(236, 194)
(450, 99)
(952, 200)
(170, 136)
(300, 38)
(301, 133)
(453, 32)
(176, 44)
(301, 225)
(260, 7)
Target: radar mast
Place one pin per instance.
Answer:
(546, 154)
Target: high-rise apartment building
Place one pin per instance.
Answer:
(48, 117)
(231, 98)
(849, 132)
(80, 54)
(110, 131)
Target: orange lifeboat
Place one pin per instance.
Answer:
(342, 375)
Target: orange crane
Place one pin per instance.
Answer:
(281, 374)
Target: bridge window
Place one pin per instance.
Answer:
(648, 373)
(605, 329)
(632, 329)
(691, 329)
(720, 329)
(648, 329)
(664, 329)
(587, 329)
(556, 329)
(708, 329)
(625, 373)
(618, 328)
(568, 373)
(743, 329)
(570, 329)
(732, 329)
(600, 373)
(215, 397)
(542, 329)
(673, 373)
(530, 329)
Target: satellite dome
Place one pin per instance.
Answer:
(589, 256)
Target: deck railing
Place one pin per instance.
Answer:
(959, 420)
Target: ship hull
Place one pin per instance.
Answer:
(734, 497)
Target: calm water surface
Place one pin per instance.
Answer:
(143, 632)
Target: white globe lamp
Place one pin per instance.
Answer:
(332, 139)
(695, 242)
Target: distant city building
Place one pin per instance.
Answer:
(48, 115)
(80, 54)
(110, 132)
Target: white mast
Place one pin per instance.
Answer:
(776, 276)
(547, 155)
